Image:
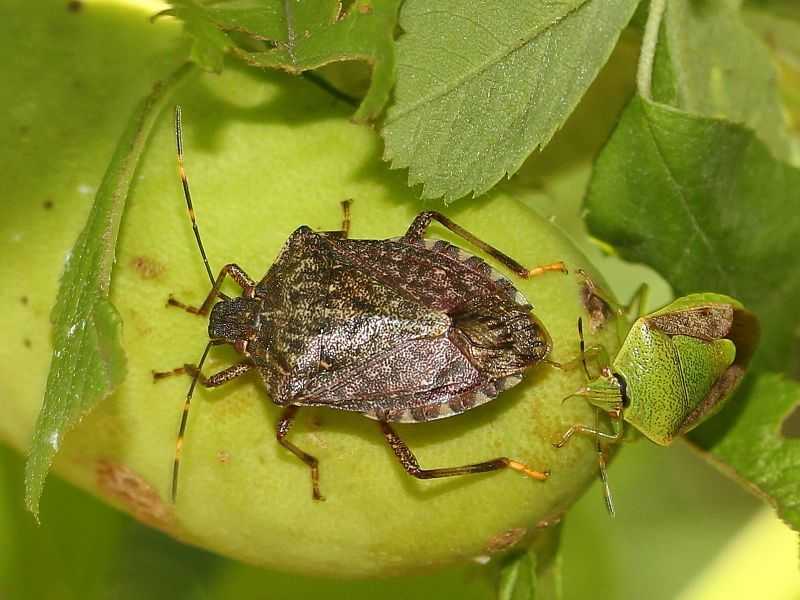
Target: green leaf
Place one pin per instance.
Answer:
(481, 85)
(747, 437)
(534, 574)
(88, 361)
(299, 36)
(780, 8)
(518, 578)
(209, 44)
(721, 69)
(704, 203)
(782, 36)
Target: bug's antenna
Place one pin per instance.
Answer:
(184, 418)
(583, 349)
(601, 460)
(187, 194)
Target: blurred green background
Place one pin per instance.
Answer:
(676, 514)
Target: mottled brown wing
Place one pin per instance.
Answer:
(493, 323)
(434, 273)
(322, 315)
(415, 372)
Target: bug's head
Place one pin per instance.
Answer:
(607, 392)
(235, 321)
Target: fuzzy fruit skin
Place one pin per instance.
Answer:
(266, 153)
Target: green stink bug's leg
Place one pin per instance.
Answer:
(595, 351)
(616, 422)
(223, 376)
(586, 430)
(416, 232)
(615, 414)
(639, 297)
(411, 465)
(284, 424)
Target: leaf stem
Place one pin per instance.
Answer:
(644, 71)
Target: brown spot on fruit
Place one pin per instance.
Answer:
(224, 457)
(24, 300)
(505, 540)
(364, 9)
(147, 268)
(128, 487)
(549, 521)
(27, 343)
(47, 204)
(74, 6)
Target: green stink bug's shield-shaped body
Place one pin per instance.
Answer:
(681, 363)
(676, 367)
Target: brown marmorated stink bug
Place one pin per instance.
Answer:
(402, 330)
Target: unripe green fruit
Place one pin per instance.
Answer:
(265, 154)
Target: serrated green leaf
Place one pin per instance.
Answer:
(300, 36)
(721, 69)
(209, 44)
(88, 361)
(747, 437)
(481, 85)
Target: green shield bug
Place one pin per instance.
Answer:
(675, 368)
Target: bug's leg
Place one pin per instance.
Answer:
(613, 438)
(595, 351)
(233, 271)
(639, 297)
(411, 465)
(344, 232)
(223, 376)
(346, 217)
(216, 379)
(284, 424)
(416, 232)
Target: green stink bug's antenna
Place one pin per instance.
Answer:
(601, 459)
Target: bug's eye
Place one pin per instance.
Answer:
(623, 390)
